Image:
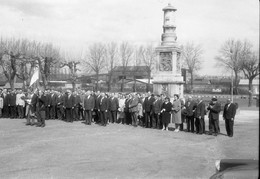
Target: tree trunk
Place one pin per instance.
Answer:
(11, 82)
(109, 82)
(149, 81)
(97, 79)
(250, 91)
(122, 84)
(73, 85)
(191, 82)
(235, 92)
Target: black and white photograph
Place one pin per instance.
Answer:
(129, 89)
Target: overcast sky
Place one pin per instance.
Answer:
(73, 24)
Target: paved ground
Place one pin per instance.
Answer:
(65, 150)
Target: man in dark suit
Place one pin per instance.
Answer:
(12, 105)
(133, 109)
(89, 105)
(97, 98)
(113, 107)
(41, 104)
(6, 95)
(53, 104)
(229, 116)
(214, 109)
(147, 109)
(48, 103)
(190, 106)
(60, 106)
(69, 105)
(199, 116)
(103, 108)
(127, 118)
(77, 101)
(157, 105)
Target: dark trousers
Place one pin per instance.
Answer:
(12, 112)
(113, 116)
(5, 111)
(41, 117)
(88, 116)
(229, 127)
(134, 118)
(76, 113)
(156, 121)
(200, 125)
(190, 123)
(97, 117)
(128, 119)
(69, 116)
(52, 112)
(20, 111)
(60, 112)
(103, 117)
(214, 126)
(147, 119)
(81, 113)
(47, 112)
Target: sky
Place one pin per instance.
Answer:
(75, 24)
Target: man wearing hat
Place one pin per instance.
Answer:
(214, 109)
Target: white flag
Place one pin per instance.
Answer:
(35, 76)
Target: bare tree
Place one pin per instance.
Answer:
(148, 56)
(126, 52)
(250, 67)
(10, 52)
(72, 64)
(111, 61)
(46, 56)
(95, 59)
(230, 57)
(192, 57)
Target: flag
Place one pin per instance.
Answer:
(35, 77)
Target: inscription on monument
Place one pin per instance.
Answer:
(165, 61)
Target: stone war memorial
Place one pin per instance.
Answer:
(168, 79)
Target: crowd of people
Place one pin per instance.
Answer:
(146, 110)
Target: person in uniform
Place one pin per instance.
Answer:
(229, 114)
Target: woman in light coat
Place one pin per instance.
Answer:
(176, 113)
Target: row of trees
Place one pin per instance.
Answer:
(19, 57)
(239, 56)
(106, 56)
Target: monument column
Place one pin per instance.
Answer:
(168, 79)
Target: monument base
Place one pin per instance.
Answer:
(168, 85)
